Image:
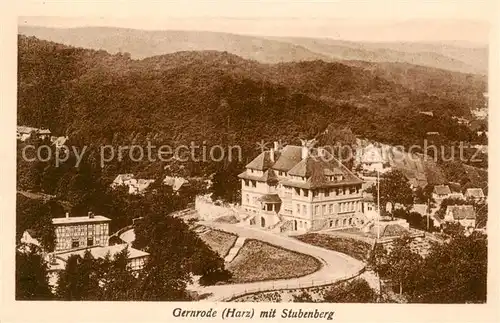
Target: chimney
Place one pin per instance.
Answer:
(67, 215)
(271, 154)
(305, 149)
(305, 152)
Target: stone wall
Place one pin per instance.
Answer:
(210, 210)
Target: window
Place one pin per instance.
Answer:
(297, 191)
(298, 208)
(330, 209)
(75, 244)
(90, 242)
(248, 199)
(324, 208)
(315, 193)
(306, 193)
(331, 223)
(316, 210)
(327, 192)
(304, 209)
(254, 184)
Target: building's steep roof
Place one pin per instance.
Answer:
(420, 208)
(461, 212)
(316, 171)
(269, 176)
(80, 219)
(261, 162)
(474, 192)
(270, 198)
(442, 190)
(101, 252)
(24, 129)
(123, 177)
(289, 157)
(317, 168)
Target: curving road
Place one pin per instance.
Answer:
(335, 265)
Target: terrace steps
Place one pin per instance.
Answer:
(235, 249)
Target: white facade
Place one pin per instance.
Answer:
(77, 232)
(281, 196)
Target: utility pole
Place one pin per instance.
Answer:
(378, 205)
(428, 212)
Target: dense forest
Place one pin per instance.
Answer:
(219, 97)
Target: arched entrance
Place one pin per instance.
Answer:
(262, 222)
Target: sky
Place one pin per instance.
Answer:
(377, 20)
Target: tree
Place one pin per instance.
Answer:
(377, 261)
(225, 183)
(340, 142)
(455, 272)
(117, 281)
(36, 215)
(481, 214)
(403, 264)
(32, 281)
(176, 252)
(394, 188)
(79, 280)
(446, 202)
(355, 291)
(303, 297)
(424, 195)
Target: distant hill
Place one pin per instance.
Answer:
(218, 97)
(142, 43)
(437, 55)
(459, 87)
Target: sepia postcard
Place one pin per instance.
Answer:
(250, 161)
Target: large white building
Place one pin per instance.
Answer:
(82, 231)
(300, 188)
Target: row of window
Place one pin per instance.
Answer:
(250, 183)
(343, 222)
(69, 243)
(332, 178)
(326, 192)
(82, 229)
(333, 208)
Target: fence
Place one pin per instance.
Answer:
(281, 286)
